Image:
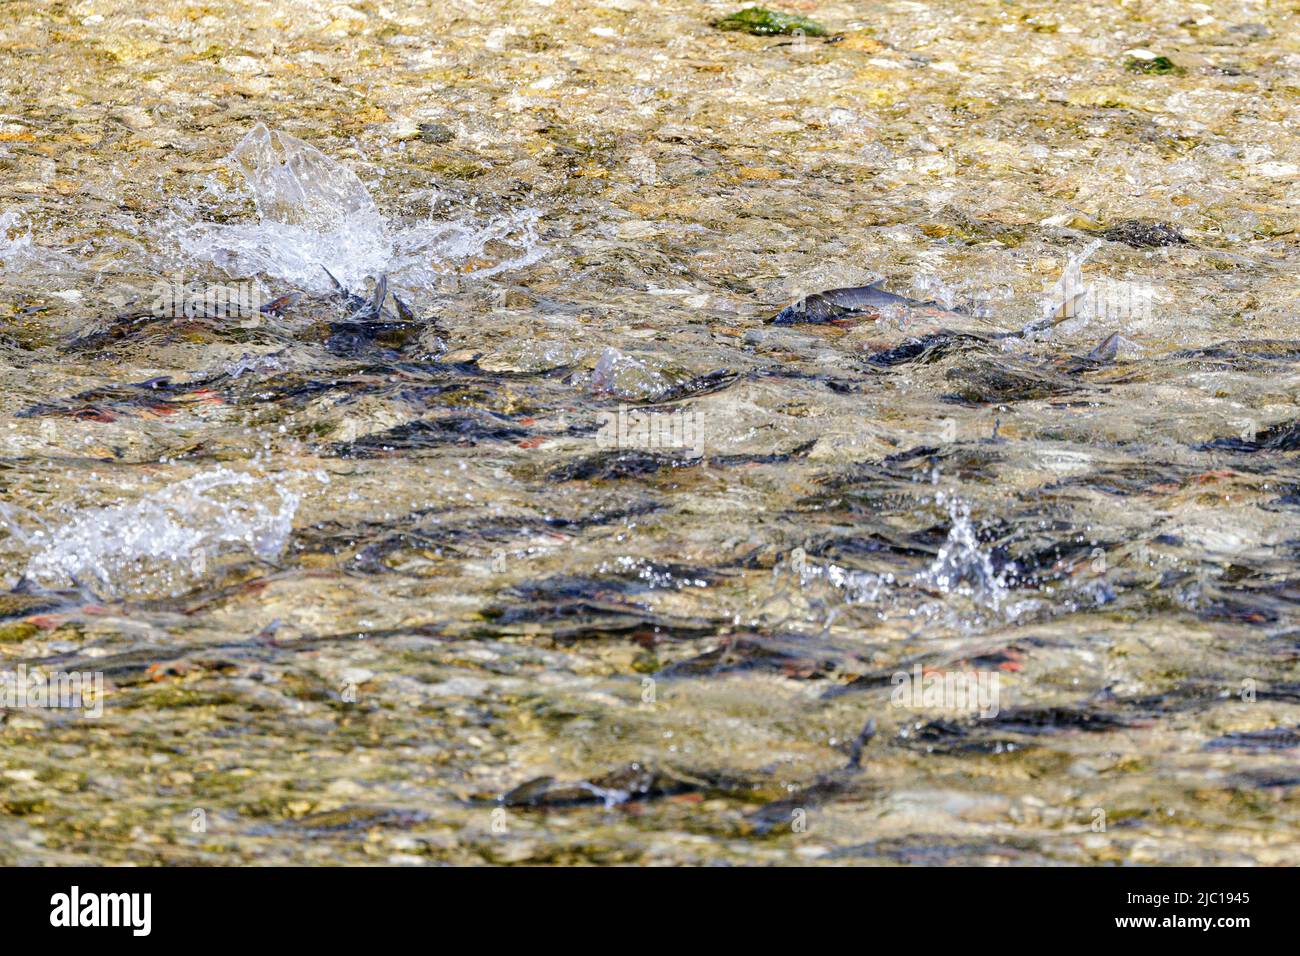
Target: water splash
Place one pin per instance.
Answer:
(12, 525)
(313, 211)
(1068, 301)
(296, 184)
(423, 252)
(624, 376)
(167, 538)
(860, 587)
(255, 365)
(962, 566)
(19, 253)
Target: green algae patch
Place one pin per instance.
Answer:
(1159, 66)
(23, 807)
(764, 23)
(17, 632)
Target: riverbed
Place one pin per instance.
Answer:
(561, 551)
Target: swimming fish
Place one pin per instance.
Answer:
(931, 340)
(836, 304)
(371, 323)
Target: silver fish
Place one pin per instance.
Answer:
(835, 304)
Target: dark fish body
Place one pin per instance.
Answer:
(921, 348)
(823, 307)
(930, 340)
(371, 323)
(1104, 354)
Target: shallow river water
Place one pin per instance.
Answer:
(569, 554)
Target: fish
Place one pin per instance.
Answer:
(372, 307)
(1104, 354)
(371, 323)
(837, 304)
(158, 396)
(780, 814)
(1000, 379)
(632, 782)
(188, 310)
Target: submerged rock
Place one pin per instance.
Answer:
(1144, 233)
(435, 133)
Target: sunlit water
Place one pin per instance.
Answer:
(358, 583)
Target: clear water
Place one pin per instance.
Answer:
(359, 585)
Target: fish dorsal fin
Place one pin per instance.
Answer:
(404, 311)
(1106, 350)
(338, 286)
(878, 284)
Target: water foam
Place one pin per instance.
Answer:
(168, 536)
(19, 253)
(962, 568)
(313, 211)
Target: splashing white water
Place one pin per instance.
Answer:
(314, 212)
(422, 252)
(168, 537)
(19, 253)
(627, 377)
(962, 566)
(11, 523)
